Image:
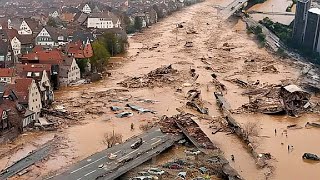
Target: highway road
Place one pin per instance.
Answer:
(99, 166)
(29, 160)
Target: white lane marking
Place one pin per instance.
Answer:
(155, 142)
(90, 172)
(79, 178)
(87, 165)
(116, 152)
(120, 159)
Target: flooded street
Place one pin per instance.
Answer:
(208, 55)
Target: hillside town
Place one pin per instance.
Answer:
(44, 43)
(159, 89)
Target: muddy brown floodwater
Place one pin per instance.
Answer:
(209, 44)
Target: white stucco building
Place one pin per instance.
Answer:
(69, 71)
(25, 29)
(103, 21)
(44, 38)
(16, 46)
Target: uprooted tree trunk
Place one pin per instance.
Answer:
(111, 139)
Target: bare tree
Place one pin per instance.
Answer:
(111, 139)
(251, 129)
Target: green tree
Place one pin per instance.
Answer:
(114, 43)
(82, 63)
(100, 56)
(137, 23)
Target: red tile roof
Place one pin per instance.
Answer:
(6, 72)
(44, 57)
(79, 50)
(23, 69)
(21, 87)
(11, 33)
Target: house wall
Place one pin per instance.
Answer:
(16, 46)
(34, 103)
(27, 120)
(6, 80)
(47, 93)
(74, 72)
(100, 23)
(44, 38)
(24, 29)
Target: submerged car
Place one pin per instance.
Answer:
(172, 165)
(156, 171)
(142, 178)
(192, 151)
(311, 156)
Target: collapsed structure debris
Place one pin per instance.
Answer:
(195, 101)
(294, 99)
(185, 124)
(240, 83)
(270, 68)
(191, 31)
(312, 124)
(239, 131)
(275, 99)
(155, 78)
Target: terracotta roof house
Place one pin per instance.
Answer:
(41, 73)
(69, 71)
(53, 57)
(28, 94)
(13, 114)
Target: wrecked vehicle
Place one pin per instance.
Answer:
(112, 156)
(137, 144)
(115, 108)
(311, 156)
(140, 109)
(189, 44)
(172, 165)
(192, 152)
(197, 107)
(124, 114)
(156, 171)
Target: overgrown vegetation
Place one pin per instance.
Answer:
(114, 43)
(257, 30)
(100, 56)
(284, 32)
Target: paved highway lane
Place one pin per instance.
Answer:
(100, 165)
(29, 160)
